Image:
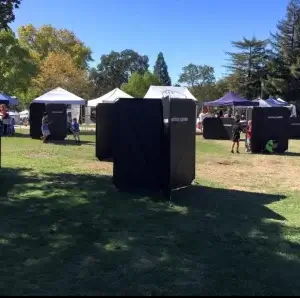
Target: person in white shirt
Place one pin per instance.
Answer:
(202, 116)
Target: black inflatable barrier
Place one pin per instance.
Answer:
(154, 144)
(270, 124)
(294, 131)
(218, 128)
(151, 142)
(57, 115)
(36, 112)
(104, 130)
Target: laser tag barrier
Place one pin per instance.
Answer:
(57, 115)
(269, 124)
(294, 131)
(217, 128)
(151, 143)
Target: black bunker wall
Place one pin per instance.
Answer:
(104, 130)
(57, 116)
(270, 124)
(152, 143)
(218, 128)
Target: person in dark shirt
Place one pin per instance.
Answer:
(236, 136)
(75, 129)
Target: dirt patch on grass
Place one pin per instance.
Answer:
(253, 172)
(106, 167)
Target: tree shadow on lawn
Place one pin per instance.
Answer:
(76, 234)
(70, 142)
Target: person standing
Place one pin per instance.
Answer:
(76, 130)
(236, 136)
(45, 127)
(201, 119)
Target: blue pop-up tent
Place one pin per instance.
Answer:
(275, 103)
(6, 99)
(231, 99)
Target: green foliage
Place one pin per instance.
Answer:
(16, 65)
(59, 70)
(47, 39)
(283, 76)
(197, 75)
(248, 65)
(138, 84)
(161, 70)
(7, 12)
(116, 68)
(211, 91)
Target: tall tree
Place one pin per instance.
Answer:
(116, 68)
(199, 78)
(197, 75)
(47, 39)
(139, 84)
(283, 78)
(7, 12)
(59, 70)
(16, 65)
(286, 41)
(161, 70)
(248, 65)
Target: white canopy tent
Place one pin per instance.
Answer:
(164, 91)
(262, 103)
(60, 96)
(109, 97)
(291, 106)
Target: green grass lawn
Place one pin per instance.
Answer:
(66, 230)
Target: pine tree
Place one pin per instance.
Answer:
(247, 66)
(283, 79)
(286, 41)
(161, 70)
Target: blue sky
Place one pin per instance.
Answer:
(186, 31)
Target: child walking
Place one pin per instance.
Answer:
(75, 128)
(236, 136)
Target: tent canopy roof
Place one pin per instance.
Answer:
(109, 97)
(231, 99)
(276, 103)
(164, 91)
(262, 103)
(6, 99)
(60, 96)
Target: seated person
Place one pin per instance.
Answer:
(270, 146)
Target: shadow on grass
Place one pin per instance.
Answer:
(76, 234)
(70, 142)
(20, 135)
(292, 154)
